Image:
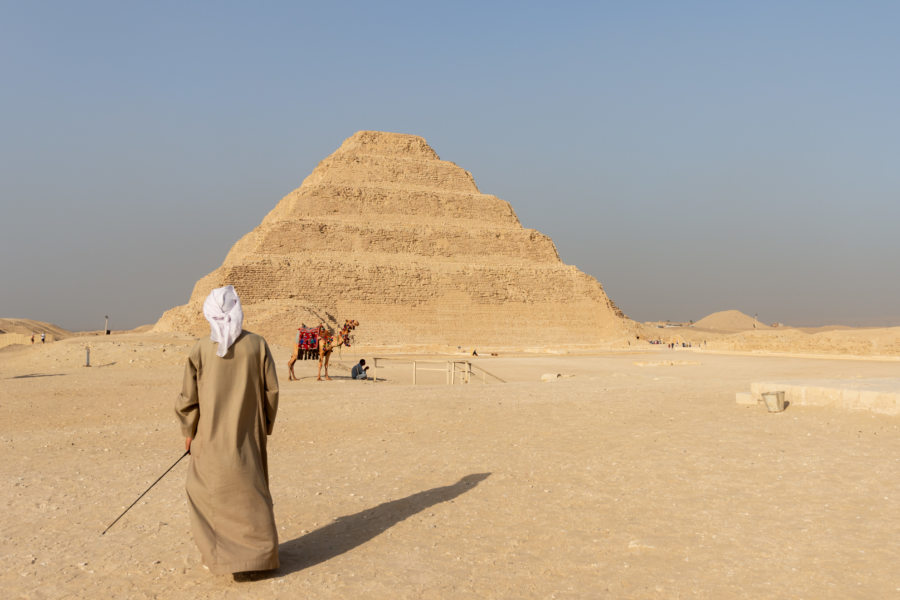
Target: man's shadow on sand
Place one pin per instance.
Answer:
(348, 532)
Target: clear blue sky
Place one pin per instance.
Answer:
(693, 156)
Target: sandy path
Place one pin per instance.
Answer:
(620, 481)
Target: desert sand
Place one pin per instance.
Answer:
(634, 475)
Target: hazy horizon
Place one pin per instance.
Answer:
(693, 157)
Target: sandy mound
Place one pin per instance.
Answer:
(824, 341)
(19, 331)
(29, 326)
(847, 342)
(729, 320)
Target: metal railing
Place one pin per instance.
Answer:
(462, 371)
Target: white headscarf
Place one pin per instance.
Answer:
(222, 308)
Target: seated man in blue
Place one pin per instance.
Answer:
(359, 370)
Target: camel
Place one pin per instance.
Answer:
(327, 344)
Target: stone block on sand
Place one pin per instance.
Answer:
(877, 395)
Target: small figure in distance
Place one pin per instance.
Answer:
(43, 337)
(474, 352)
(359, 370)
(32, 338)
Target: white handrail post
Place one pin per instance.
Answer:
(414, 372)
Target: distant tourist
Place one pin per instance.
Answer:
(43, 337)
(359, 370)
(32, 338)
(227, 409)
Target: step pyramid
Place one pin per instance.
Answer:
(384, 232)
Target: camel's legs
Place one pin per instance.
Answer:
(321, 352)
(293, 359)
(323, 357)
(327, 357)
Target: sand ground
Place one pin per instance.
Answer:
(621, 480)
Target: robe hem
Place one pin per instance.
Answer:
(241, 567)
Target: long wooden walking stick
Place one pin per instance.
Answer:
(145, 491)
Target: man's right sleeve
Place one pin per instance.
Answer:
(187, 405)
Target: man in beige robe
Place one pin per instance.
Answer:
(227, 408)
